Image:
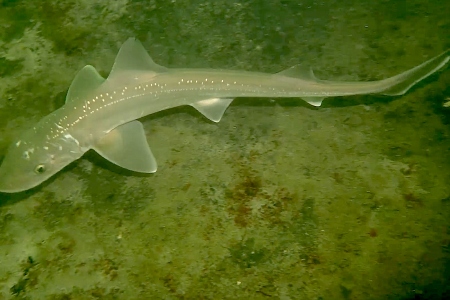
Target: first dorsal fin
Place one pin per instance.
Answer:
(132, 56)
(86, 80)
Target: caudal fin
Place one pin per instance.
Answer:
(400, 84)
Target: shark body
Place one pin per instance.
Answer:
(101, 114)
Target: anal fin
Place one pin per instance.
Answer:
(315, 101)
(127, 147)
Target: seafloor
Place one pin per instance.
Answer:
(279, 200)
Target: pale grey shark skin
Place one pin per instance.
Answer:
(101, 114)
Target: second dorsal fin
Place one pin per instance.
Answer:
(132, 56)
(299, 71)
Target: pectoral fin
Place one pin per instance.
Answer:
(127, 147)
(213, 108)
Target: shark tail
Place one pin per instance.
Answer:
(400, 84)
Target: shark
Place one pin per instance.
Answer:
(102, 114)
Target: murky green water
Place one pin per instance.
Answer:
(279, 200)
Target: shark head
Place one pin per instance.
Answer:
(35, 157)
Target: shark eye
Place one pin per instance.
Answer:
(40, 169)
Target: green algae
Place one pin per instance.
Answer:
(277, 200)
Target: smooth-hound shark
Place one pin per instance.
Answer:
(101, 114)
